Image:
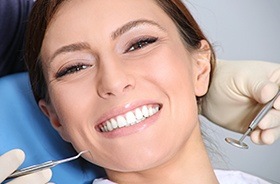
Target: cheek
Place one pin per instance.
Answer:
(172, 70)
(76, 106)
(71, 101)
(178, 83)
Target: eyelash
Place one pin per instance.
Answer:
(141, 43)
(71, 69)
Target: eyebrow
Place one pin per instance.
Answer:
(123, 29)
(128, 26)
(71, 48)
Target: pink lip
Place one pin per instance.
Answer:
(122, 110)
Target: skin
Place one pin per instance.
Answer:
(118, 78)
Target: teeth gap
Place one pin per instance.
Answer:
(130, 118)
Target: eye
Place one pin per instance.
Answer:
(72, 69)
(141, 43)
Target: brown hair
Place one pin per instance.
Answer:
(44, 10)
(39, 19)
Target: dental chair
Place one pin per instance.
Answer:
(23, 126)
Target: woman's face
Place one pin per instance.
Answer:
(121, 82)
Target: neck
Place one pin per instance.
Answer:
(190, 165)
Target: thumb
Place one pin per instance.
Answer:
(262, 91)
(9, 162)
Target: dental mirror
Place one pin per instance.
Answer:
(239, 143)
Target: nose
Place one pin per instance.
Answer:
(115, 79)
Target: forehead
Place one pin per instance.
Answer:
(103, 15)
(94, 20)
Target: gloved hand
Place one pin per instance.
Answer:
(11, 160)
(238, 91)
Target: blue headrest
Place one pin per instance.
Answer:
(22, 125)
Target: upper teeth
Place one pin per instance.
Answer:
(130, 118)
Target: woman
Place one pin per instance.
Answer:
(121, 91)
(119, 88)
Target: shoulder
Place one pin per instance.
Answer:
(238, 177)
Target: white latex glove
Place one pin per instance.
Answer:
(237, 93)
(11, 160)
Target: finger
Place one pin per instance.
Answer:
(256, 137)
(268, 136)
(270, 120)
(40, 177)
(10, 161)
(276, 104)
(264, 91)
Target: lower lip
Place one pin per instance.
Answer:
(125, 131)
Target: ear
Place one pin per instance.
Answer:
(49, 111)
(202, 68)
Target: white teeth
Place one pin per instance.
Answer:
(109, 126)
(105, 128)
(121, 121)
(156, 109)
(145, 111)
(114, 123)
(138, 114)
(151, 111)
(130, 118)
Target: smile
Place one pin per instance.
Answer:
(130, 118)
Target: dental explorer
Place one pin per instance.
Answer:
(45, 165)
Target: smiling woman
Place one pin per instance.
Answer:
(126, 67)
(123, 79)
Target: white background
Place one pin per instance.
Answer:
(242, 29)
